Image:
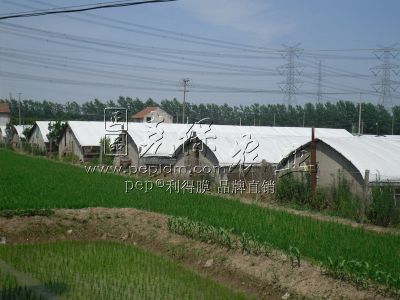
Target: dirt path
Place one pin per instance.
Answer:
(264, 277)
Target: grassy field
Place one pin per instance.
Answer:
(105, 270)
(38, 183)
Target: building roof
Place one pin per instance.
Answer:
(154, 139)
(273, 142)
(20, 130)
(144, 112)
(88, 133)
(4, 108)
(379, 155)
(165, 139)
(43, 128)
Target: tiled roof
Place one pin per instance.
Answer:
(141, 114)
(4, 108)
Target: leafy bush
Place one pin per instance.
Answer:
(69, 157)
(381, 210)
(338, 200)
(26, 147)
(343, 200)
(291, 189)
(318, 200)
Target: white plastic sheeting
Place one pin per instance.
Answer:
(88, 133)
(270, 143)
(20, 130)
(262, 143)
(44, 129)
(380, 155)
(162, 139)
(390, 138)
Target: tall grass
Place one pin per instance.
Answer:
(27, 182)
(105, 270)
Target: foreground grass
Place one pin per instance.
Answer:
(27, 182)
(105, 270)
(11, 289)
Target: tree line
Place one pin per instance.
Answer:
(341, 114)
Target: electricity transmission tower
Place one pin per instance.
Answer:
(291, 70)
(385, 72)
(185, 82)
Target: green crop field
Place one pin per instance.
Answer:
(104, 270)
(38, 183)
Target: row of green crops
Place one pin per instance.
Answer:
(362, 274)
(210, 234)
(38, 183)
(104, 270)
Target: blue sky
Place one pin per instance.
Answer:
(138, 64)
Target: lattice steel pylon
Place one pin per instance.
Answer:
(291, 70)
(385, 86)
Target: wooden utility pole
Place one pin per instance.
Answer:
(313, 161)
(364, 196)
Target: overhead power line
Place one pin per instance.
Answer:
(123, 47)
(71, 9)
(319, 92)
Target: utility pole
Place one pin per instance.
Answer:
(19, 107)
(291, 71)
(386, 85)
(304, 118)
(313, 158)
(359, 118)
(185, 83)
(274, 119)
